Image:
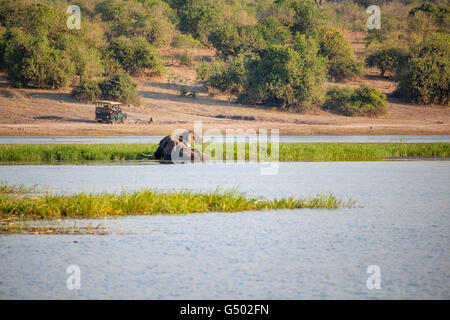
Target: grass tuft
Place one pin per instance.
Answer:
(6, 188)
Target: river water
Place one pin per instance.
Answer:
(283, 139)
(402, 225)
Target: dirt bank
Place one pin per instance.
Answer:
(35, 112)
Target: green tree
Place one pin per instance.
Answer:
(30, 60)
(285, 77)
(303, 16)
(229, 78)
(363, 101)
(35, 19)
(87, 90)
(231, 40)
(150, 20)
(426, 78)
(387, 58)
(200, 21)
(119, 87)
(342, 63)
(87, 60)
(135, 55)
(440, 14)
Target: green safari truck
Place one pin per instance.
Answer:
(109, 112)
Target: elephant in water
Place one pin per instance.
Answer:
(177, 148)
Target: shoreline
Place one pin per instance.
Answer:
(126, 130)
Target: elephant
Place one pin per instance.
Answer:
(178, 145)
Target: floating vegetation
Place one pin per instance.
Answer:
(17, 210)
(13, 226)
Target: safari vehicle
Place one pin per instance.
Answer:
(109, 112)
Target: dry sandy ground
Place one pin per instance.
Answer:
(32, 112)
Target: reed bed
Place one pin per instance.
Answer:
(82, 153)
(148, 202)
(6, 188)
(72, 153)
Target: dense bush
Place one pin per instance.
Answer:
(426, 78)
(226, 78)
(231, 39)
(38, 50)
(87, 90)
(387, 58)
(440, 14)
(119, 87)
(186, 41)
(363, 101)
(136, 55)
(35, 19)
(206, 69)
(150, 20)
(199, 20)
(303, 16)
(342, 63)
(87, 60)
(273, 32)
(285, 77)
(343, 68)
(29, 60)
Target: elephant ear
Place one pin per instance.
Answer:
(177, 133)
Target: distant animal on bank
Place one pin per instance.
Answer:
(179, 146)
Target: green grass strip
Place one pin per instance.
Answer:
(148, 202)
(81, 153)
(6, 188)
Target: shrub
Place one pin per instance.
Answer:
(343, 67)
(387, 58)
(229, 78)
(185, 58)
(363, 101)
(119, 87)
(342, 63)
(349, 15)
(273, 32)
(87, 60)
(439, 14)
(87, 90)
(199, 20)
(186, 41)
(33, 19)
(135, 55)
(30, 60)
(156, 31)
(231, 39)
(284, 77)
(389, 24)
(302, 16)
(426, 78)
(149, 20)
(205, 69)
